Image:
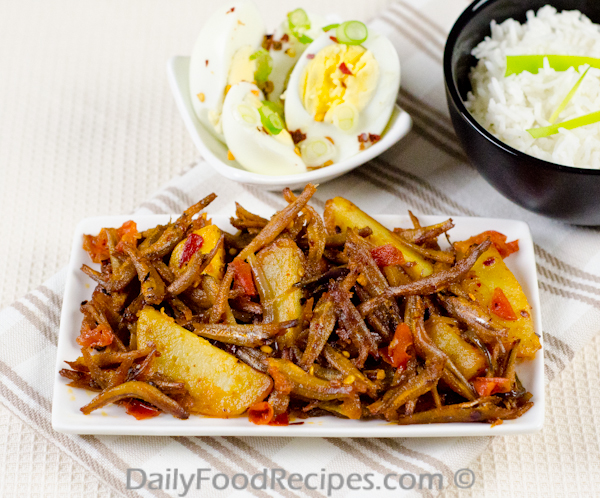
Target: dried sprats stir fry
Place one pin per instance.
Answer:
(302, 315)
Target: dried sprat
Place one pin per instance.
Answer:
(302, 315)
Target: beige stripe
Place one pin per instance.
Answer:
(549, 356)
(415, 40)
(240, 462)
(417, 13)
(571, 295)
(48, 332)
(430, 201)
(425, 32)
(151, 206)
(561, 346)
(101, 448)
(167, 200)
(181, 196)
(558, 279)
(396, 172)
(409, 201)
(53, 297)
(429, 113)
(378, 467)
(567, 268)
(548, 372)
(41, 422)
(44, 308)
(189, 443)
(267, 462)
(451, 150)
(265, 197)
(425, 458)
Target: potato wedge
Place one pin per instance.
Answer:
(221, 385)
(342, 213)
(444, 333)
(210, 234)
(490, 272)
(281, 265)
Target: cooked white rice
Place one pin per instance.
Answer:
(507, 107)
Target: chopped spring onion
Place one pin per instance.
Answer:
(516, 64)
(352, 33)
(247, 115)
(330, 26)
(317, 151)
(270, 120)
(298, 20)
(568, 98)
(264, 65)
(546, 131)
(275, 107)
(345, 117)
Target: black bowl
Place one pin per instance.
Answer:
(560, 192)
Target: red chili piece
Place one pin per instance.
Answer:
(344, 69)
(396, 354)
(192, 245)
(500, 305)
(387, 255)
(333, 38)
(489, 262)
(260, 413)
(140, 410)
(310, 56)
(99, 337)
(243, 276)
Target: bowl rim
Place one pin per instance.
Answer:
(472, 11)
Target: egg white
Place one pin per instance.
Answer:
(372, 119)
(252, 147)
(285, 59)
(233, 26)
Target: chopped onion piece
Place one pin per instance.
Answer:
(298, 19)
(546, 131)
(317, 151)
(264, 65)
(270, 120)
(568, 98)
(345, 117)
(247, 115)
(330, 26)
(516, 64)
(352, 33)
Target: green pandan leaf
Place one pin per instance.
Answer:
(516, 64)
(546, 131)
(568, 98)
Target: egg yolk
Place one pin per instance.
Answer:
(242, 68)
(339, 74)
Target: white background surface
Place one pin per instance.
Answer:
(88, 127)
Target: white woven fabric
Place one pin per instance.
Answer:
(106, 134)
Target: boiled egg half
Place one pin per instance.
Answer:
(255, 133)
(341, 95)
(226, 52)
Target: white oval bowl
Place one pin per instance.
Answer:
(215, 152)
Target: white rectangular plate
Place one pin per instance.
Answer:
(67, 418)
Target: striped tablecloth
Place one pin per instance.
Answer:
(427, 173)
